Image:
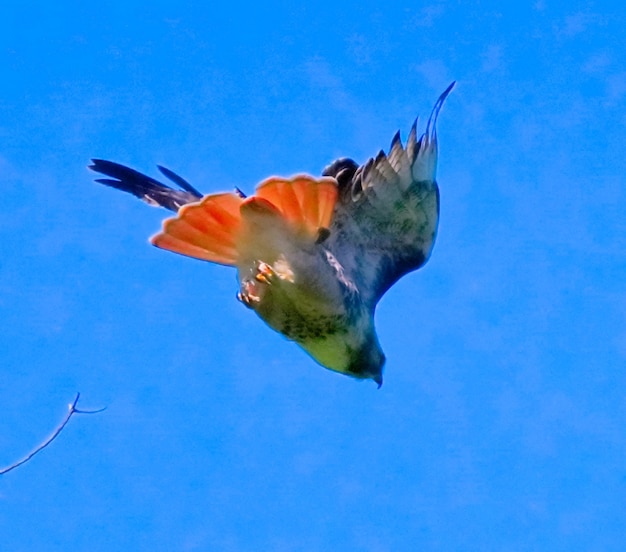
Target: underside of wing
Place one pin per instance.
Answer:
(145, 187)
(386, 218)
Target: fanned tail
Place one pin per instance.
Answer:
(307, 203)
(207, 230)
(216, 228)
(223, 228)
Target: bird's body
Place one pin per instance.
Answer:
(313, 255)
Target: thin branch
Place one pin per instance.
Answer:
(71, 411)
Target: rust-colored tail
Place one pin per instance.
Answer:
(206, 230)
(305, 202)
(214, 229)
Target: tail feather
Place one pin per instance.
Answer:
(144, 187)
(207, 230)
(223, 227)
(180, 237)
(177, 179)
(307, 203)
(164, 240)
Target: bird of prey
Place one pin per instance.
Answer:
(313, 255)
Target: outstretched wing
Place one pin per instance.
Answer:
(386, 218)
(144, 187)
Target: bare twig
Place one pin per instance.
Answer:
(72, 410)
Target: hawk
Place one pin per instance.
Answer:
(313, 255)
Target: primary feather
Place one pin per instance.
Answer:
(313, 255)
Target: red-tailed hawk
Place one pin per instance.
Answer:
(313, 255)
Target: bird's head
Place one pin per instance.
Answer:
(367, 362)
(353, 351)
(342, 170)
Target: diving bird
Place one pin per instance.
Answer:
(313, 255)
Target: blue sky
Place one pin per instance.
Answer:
(501, 424)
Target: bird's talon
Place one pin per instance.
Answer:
(248, 294)
(265, 273)
(261, 277)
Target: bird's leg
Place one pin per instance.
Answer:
(272, 274)
(249, 293)
(251, 289)
(264, 273)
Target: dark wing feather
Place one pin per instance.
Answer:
(144, 187)
(386, 219)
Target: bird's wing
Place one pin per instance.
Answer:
(385, 221)
(144, 187)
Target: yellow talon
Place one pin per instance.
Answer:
(262, 277)
(264, 273)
